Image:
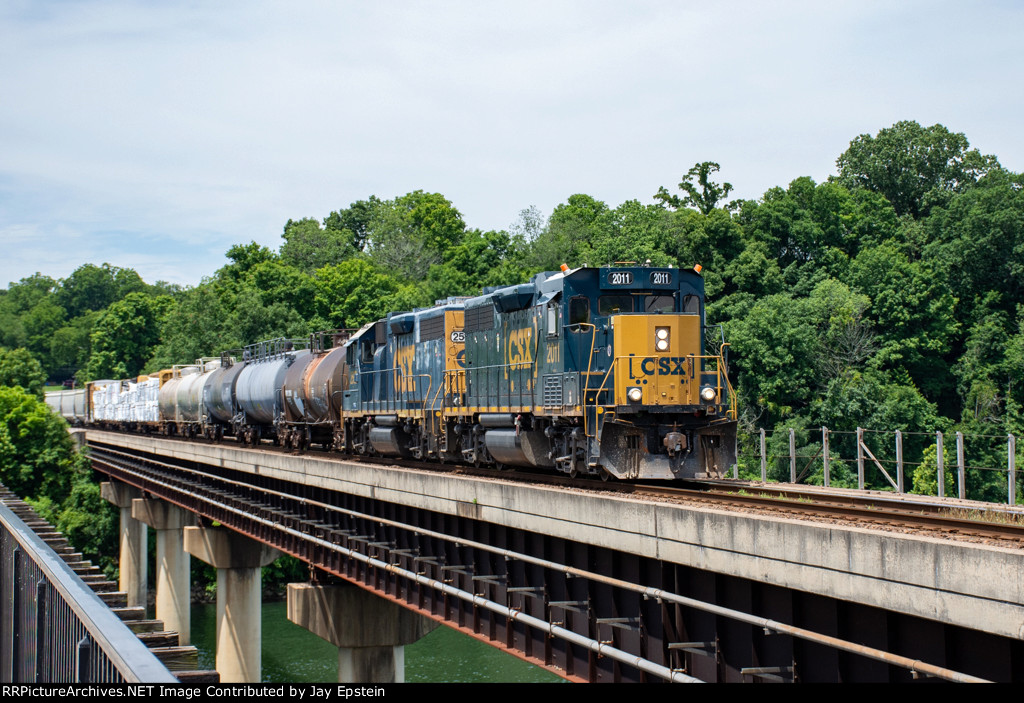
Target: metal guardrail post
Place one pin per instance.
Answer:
(82, 656)
(860, 458)
(42, 631)
(939, 461)
(1011, 470)
(16, 606)
(764, 460)
(960, 470)
(824, 453)
(792, 455)
(899, 462)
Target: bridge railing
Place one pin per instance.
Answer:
(953, 464)
(53, 628)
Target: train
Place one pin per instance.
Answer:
(607, 372)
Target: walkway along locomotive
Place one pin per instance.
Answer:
(586, 371)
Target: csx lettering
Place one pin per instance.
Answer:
(664, 366)
(520, 352)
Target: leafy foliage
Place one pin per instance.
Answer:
(914, 167)
(704, 195)
(889, 296)
(19, 368)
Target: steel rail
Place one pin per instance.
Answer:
(912, 665)
(872, 510)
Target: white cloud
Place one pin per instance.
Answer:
(184, 128)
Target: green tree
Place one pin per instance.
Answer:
(70, 346)
(636, 233)
(914, 167)
(19, 368)
(198, 327)
(787, 349)
(977, 243)
(37, 455)
(810, 229)
(704, 195)
(355, 292)
(89, 287)
(308, 246)
(244, 257)
(572, 225)
(356, 218)
(411, 233)
(125, 335)
(480, 259)
(915, 315)
(40, 324)
(28, 292)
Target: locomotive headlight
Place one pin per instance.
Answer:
(635, 394)
(661, 342)
(708, 394)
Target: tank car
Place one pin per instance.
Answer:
(185, 395)
(260, 390)
(313, 390)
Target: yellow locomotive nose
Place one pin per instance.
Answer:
(656, 359)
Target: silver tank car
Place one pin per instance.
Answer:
(219, 393)
(190, 392)
(260, 387)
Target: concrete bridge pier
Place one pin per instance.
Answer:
(238, 560)
(132, 560)
(173, 591)
(369, 631)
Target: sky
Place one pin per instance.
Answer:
(155, 135)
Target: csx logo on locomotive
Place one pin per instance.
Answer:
(519, 349)
(664, 366)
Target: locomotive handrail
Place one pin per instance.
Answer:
(718, 371)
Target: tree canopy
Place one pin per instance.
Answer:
(892, 293)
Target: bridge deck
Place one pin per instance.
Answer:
(975, 586)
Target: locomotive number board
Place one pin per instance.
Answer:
(639, 279)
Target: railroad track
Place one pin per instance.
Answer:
(970, 521)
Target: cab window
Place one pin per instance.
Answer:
(611, 304)
(659, 303)
(579, 310)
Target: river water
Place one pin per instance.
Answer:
(294, 655)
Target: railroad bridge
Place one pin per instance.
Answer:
(591, 585)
